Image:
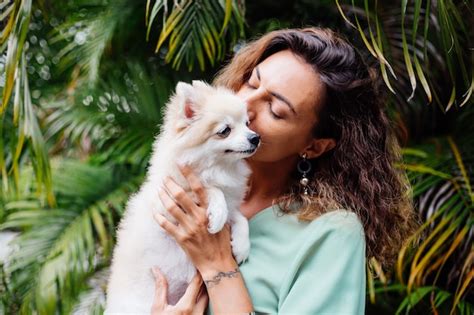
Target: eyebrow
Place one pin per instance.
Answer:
(278, 96)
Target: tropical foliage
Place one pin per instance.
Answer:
(82, 86)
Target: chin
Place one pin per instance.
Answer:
(257, 157)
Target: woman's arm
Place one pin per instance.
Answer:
(226, 287)
(211, 254)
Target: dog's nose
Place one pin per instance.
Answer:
(254, 139)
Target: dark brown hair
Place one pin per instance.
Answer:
(359, 174)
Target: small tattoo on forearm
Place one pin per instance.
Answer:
(217, 278)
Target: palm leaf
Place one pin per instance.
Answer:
(23, 112)
(438, 298)
(87, 38)
(58, 248)
(196, 30)
(444, 29)
(92, 299)
(447, 207)
(119, 117)
(16, 40)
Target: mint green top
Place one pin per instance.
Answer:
(315, 267)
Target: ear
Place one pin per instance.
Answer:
(318, 147)
(201, 85)
(187, 94)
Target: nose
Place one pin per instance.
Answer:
(254, 139)
(251, 98)
(250, 112)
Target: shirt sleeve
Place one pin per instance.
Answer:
(328, 275)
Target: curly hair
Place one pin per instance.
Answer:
(360, 173)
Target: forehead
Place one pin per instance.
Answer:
(289, 75)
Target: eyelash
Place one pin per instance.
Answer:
(272, 113)
(249, 85)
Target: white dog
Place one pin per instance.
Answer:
(206, 128)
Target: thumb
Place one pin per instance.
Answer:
(202, 302)
(160, 300)
(192, 291)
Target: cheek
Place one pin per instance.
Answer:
(284, 141)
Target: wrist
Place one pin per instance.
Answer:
(209, 271)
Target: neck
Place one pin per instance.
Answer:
(268, 179)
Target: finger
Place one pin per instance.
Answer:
(202, 301)
(195, 184)
(182, 198)
(226, 230)
(192, 291)
(160, 300)
(172, 207)
(166, 225)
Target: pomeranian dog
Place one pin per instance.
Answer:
(206, 128)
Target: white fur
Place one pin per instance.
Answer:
(142, 243)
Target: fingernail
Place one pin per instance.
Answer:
(158, 218)
(156, 272)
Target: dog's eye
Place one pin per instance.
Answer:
(224, 132)
(247, 123)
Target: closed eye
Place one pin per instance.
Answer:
(272, 112)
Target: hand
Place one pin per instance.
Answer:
(206, 251)
(194, 300)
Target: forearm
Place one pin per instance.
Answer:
(226, 288)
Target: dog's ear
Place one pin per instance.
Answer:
(202, 86)
(187, 94)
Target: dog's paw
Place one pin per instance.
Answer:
(217, 218)
(240, 247)
(216, 221)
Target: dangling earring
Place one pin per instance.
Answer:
(304, 167)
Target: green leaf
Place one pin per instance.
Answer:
(413, 298)
(421, 76)
(406, 54)
(196, 31)
(15, 49)
(57, 248)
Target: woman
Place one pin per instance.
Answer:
(323, 196)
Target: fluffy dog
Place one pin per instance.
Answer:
(206, 128)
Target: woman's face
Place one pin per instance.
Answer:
(281, 97)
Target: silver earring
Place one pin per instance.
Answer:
(304, 167)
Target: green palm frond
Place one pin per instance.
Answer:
(119, 117)
(419, 42)
(427, 297)
(18, 15)
(22, 114)
(196, 30)
(442, 186)
(92, 300)
(58, 249)
(86, 38)
(7, 19)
